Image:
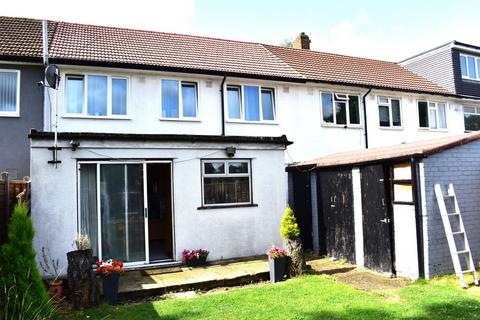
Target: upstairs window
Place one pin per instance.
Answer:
(340, 109)
(9, 92)
(226, 182)
(179, 99)
(251, 103)
(432, 115)
(96, 95)
(470, 67)
(389, 112)
(471, 116)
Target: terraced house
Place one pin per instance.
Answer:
(158, 142)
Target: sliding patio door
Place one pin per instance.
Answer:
(111, 198)
(122, 212)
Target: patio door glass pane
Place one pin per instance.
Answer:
(122, 219)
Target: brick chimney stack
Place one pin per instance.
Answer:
(302, 42)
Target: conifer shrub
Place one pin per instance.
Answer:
(22, 292)
(289, 227)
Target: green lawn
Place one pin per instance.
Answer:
(309, 297)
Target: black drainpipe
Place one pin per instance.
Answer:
(222, 94)
(365, 116)
(418, 215)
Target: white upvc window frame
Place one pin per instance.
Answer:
(435, 108)
(337, 96)
(226, 174)
(476, 63)
(15, 113)
(180, 101)
(241, 87)
(389, 105)
(84, 113)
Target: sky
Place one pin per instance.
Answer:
(387, 30)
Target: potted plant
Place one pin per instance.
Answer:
(277, 262)
(51, 267)
(195, 258)
(110, 271)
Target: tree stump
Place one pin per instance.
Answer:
(296, 261)
(81, 279)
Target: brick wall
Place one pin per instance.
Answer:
(460, 166)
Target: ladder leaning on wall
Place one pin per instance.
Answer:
(456, 237)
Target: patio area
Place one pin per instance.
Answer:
(141, 283)
(145, 283)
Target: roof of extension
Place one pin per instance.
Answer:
(73, 43)
(401, 151)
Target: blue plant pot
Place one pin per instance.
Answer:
(110, 287)
(277, 269)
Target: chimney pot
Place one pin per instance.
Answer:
(302, 41)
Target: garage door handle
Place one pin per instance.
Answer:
(386, 220)
(146, 213)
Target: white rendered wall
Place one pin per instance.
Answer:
(298, 113)
(358, 217)
(226, 233)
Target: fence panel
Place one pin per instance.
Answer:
(10, 193)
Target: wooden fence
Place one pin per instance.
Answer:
(11, 191)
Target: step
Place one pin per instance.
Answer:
(463, 251)
(454, 214)
(458, 232)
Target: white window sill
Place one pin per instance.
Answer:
(9, 115)
(432, 130)
(471, 79)
(341, 126)
(71, 116)
(181, 119)
(391, 128)
(252, 122)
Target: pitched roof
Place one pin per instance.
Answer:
(118, 45)
(401, 151)
(99, 45)
(335, 68)
(22, 37)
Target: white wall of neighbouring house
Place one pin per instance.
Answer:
(226, 233)
(298, 113)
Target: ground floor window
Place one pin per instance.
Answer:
(471, 116)
(226, 182)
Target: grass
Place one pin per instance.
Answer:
(308, 297)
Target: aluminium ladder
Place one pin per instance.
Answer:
(455, 252)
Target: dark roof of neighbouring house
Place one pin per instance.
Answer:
(394, 152)
(42, 135)
(73, 43)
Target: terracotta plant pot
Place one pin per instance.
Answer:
(55, 290)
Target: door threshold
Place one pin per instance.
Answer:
(155, 264)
